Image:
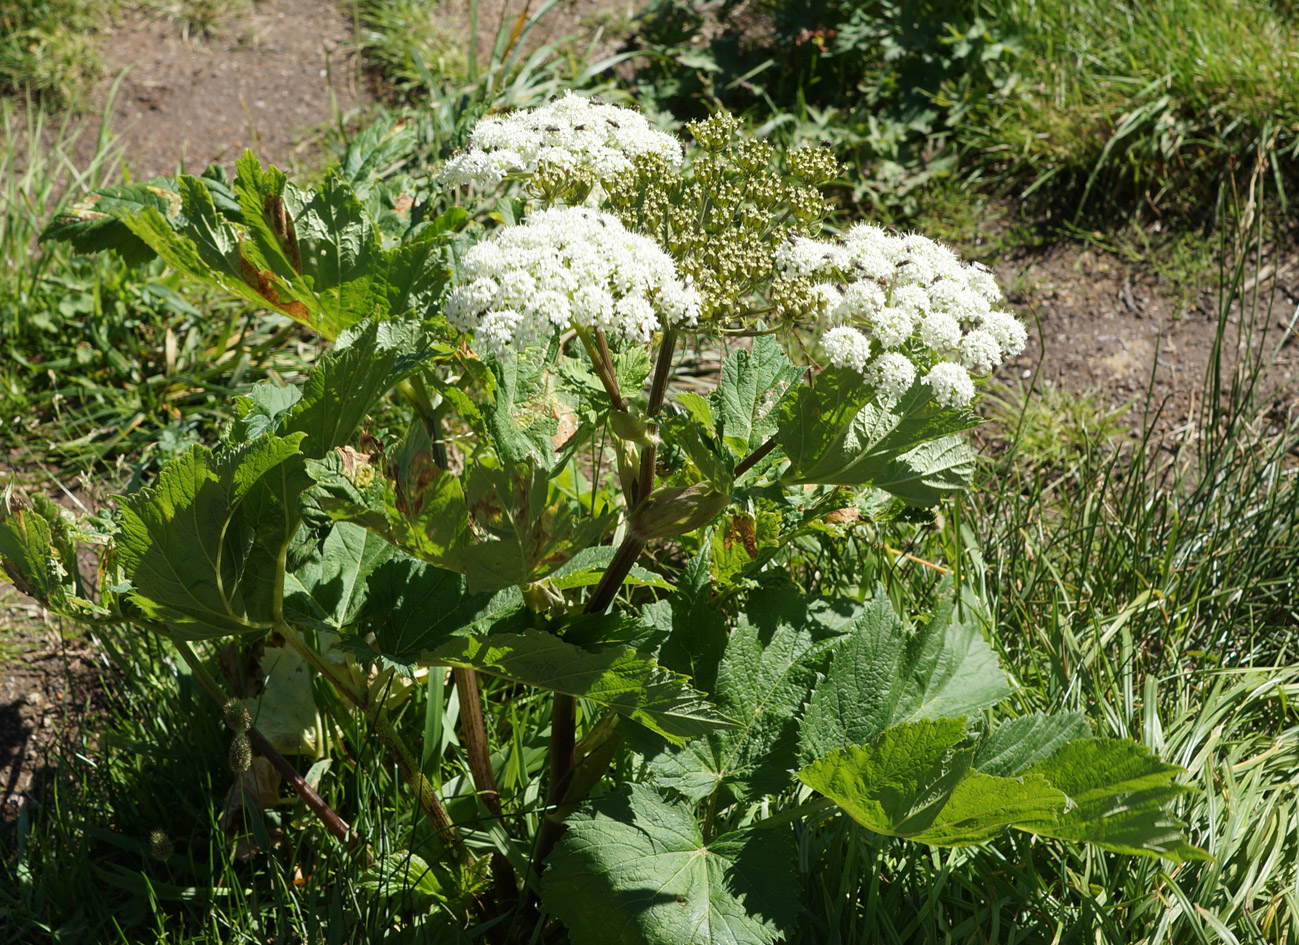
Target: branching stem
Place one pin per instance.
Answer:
(315, 803)
(379, 722)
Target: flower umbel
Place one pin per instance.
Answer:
(902, 305)
(571, 135)
(562, 267)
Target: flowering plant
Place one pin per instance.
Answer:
(561, 514)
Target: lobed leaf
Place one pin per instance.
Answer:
(634, 869)
(201, 549)
(881, 676)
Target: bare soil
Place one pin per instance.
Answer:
(270, 78)
(1099, 324)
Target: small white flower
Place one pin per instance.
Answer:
(892, 375)
(846, 347)
(805, 257)
(892, 326)
(951, 384)
(567, 266)
(940, 332)
(980, 351)
(1009, 332)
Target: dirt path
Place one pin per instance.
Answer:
(271, 78)
(1098, 324)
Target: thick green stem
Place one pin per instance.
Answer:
(379, 722)
(333, 823)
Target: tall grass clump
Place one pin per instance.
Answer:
(99, 357)
(48, 48)
(1145, 108)
(1103, 113)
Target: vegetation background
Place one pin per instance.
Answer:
(1126, 167)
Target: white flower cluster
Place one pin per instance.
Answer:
(562, 267)
(903, 303)
(568, 134)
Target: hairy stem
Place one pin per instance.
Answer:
(563, 725)
(754, 458)
(597, 349)
(315, 803)
(474, 734)
(379, 722)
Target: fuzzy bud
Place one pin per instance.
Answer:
(160, 845)
(241, 753)
(236, 716)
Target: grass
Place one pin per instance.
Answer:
(1144, 107)
(48, 48)
(102, 361)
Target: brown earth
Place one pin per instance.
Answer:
(1099, 324)
(270, 78)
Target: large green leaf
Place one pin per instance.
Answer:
(329, 585)
(412, 608)
(695, 633)
(752, 384)
(1117, 791)
(925, 475)
(92, 225)
(202, 548)
(634, 869)
(881, 676)
(1017, 743)
(835, 433)
(616, 677)
(914, 781)
(531, 527)
(341, 252)
(343, 387)
(766, 675)
(897, 783)
(518, 415)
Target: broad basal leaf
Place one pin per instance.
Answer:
(899, 782)
(880, 675)
(616, 677)
(915, 781)
(1117, 790)
(201, 548)
(634, 869)
(93, 224)
(927, 474)
(519, 419)
(766, 674)
(342, 257)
